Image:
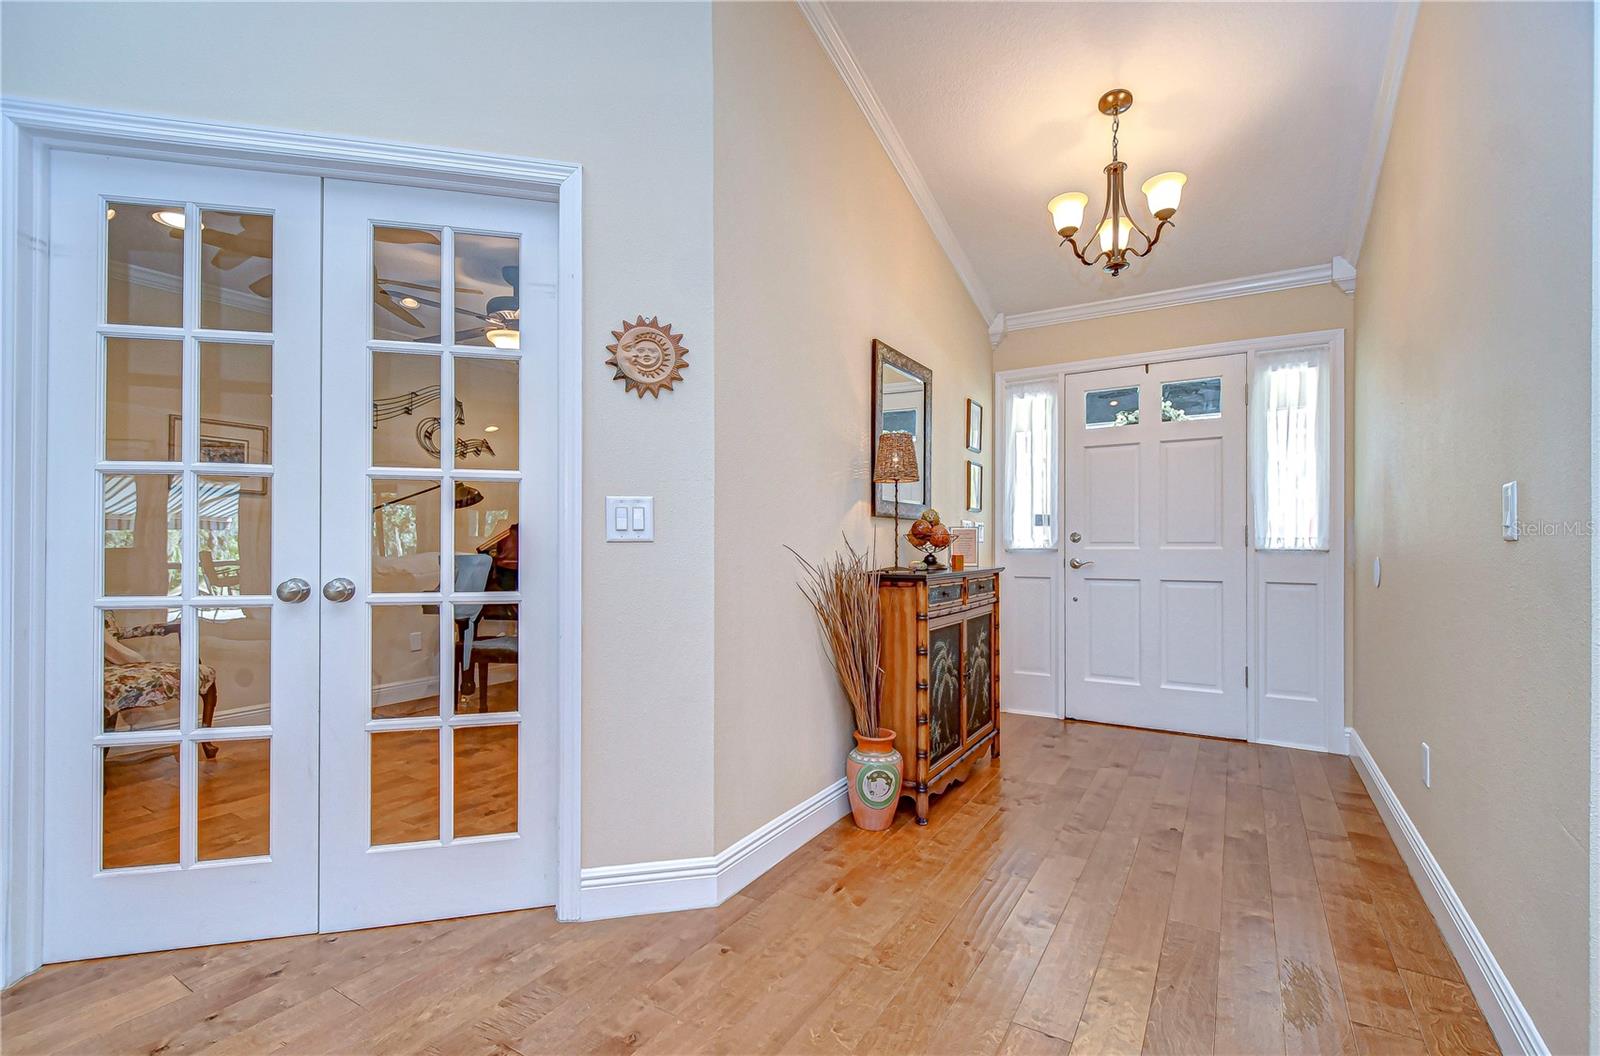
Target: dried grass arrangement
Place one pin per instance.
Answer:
(843, 592)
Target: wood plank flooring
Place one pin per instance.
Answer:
(1099, 890)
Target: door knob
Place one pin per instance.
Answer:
(294, 591)
(340, 589)
(1075, 563)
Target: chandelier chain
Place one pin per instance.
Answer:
(1116, 127)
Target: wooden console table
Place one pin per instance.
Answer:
(941, 674)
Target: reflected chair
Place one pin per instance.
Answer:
(218, 580)
(500, 649)
(133, 683)
(472, 577)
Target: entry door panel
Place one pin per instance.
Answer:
(438, 523)
(1155, 511)
(181, 736)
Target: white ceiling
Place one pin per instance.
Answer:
(1269, 108)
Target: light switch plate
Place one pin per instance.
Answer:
(1509, 528)
(630, 519)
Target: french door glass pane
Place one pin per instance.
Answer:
(234, 809)
(486, 393)
(407, 265)
(405, 786)
(235, 403)
(488, 683)
(235, 271)
(144, 400)
(486, 523)
(405, 661)
(406, 424)
(139, 805)
(140, 669)
(487, 312)
(143, 518)
(236, 660)
(144, 264)
(235, 521)
(485, 780)
(405, 535)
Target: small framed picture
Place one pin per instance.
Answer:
(974, 487)
(974, 426)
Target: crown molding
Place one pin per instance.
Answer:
(833, 42)
(1394, 68)
(1292, 278)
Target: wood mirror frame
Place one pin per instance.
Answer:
(885, 356)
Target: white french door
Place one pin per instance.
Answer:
(1154, 523)
(439, 663)
(301, 658)
(181, 727)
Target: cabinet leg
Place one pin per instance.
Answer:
(994, 746)
(922, 808)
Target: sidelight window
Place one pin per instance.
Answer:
(1289, 437)
(1029, 519)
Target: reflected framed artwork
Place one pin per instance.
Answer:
(974, 487)
(974, 426)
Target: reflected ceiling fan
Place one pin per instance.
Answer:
(499, 322)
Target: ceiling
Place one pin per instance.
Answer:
(1270, 109)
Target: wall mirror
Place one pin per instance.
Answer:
(902, 400)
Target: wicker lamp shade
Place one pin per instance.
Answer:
(897, 459)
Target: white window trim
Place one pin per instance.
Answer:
(1334, 637)
(29, 131)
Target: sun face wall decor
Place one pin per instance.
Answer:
(648, 356)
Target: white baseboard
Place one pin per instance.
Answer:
(1025, 711)
(698, 883)
(1508, 1018)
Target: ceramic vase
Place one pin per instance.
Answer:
(873, 771)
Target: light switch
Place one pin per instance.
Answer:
(1508, 511)
(630, 519)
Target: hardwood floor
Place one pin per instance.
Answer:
(1099, 890)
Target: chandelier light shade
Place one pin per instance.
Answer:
(1117, 229)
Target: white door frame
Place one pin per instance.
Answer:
(1333, 643)
(29, 132)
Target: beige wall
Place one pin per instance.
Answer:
(1208, 322)
(1472, 369)
(819, 249)
(624, 90)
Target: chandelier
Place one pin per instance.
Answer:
(1117, 226)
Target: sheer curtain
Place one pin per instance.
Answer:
(1029, 518)
(1289, 436)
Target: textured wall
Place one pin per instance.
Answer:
(1472, 369)
(819, 249)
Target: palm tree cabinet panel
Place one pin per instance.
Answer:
(941, 674)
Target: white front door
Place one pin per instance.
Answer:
(1155, 541)
(439, 663)
(181, 720)
(251, 380)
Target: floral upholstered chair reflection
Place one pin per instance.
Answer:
(135, 683)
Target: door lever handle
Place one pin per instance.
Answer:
(1075, 563)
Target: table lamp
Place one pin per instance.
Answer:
(896, 464)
